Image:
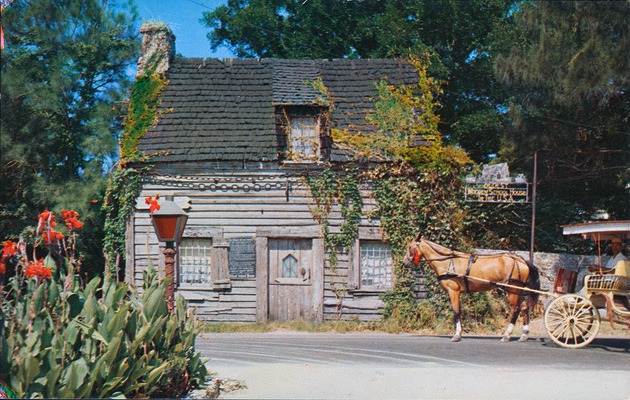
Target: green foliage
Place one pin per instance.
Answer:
(418, 189)
(122, 190)
(124, 184)
(64, 76)
(65, 341)
(566, 64)
(141, 114)
(330, 187)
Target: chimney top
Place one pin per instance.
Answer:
(158, 47)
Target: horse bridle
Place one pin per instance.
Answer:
(445, 257)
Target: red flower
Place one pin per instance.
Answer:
(3, 268)
(38, 270)
(153, 203)
(46, 218)
(9, 249)
(52, 236)
(70, 219)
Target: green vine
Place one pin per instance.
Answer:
(142, 112)
(340, 187)
(416, 189)
(123, 186)
(330, 187)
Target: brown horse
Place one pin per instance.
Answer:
(459, 272)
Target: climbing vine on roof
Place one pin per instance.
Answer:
(125, 182)
(142, 112)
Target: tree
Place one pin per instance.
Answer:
(566, 65)
(64, 76)
(460, 34)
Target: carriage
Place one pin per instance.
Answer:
(573, 319)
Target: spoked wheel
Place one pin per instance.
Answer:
(572, 321)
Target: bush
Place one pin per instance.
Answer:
(63, 340)
(97, 342)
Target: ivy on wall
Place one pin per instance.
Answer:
(416, 189)
(340, 187)
(125, 183)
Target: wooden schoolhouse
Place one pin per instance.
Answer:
(232, 143)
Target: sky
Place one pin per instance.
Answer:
(183, 16)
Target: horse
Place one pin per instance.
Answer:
(459, 272)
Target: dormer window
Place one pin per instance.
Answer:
(304, 138)
(302, 133)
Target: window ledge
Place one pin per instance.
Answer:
(369, 290)
(298, 164)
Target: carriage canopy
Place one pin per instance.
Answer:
(601, 230)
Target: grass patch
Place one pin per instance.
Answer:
(293, 326)
(441, 327)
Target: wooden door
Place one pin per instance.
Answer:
(291, 289)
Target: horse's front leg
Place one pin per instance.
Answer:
(514, 311)
(453, 294)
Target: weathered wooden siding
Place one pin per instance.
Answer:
(249, 205)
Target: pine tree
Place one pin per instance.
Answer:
(566, 64)
(64, 76)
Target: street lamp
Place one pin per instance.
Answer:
(169, 223)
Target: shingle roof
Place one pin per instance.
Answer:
(216, 110)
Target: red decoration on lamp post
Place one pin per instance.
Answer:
(169, 222)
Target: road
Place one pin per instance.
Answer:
(283, 365)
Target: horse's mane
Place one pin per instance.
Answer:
(445, 251)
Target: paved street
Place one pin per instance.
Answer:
(381, 366)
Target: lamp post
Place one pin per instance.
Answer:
(169, 223)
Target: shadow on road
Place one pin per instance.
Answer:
(616, 344)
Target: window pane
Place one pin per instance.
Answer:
(376, 265)
(195, 260)
(290, 267)
(304, 139)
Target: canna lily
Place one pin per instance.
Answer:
(52, 236)
(46, 218)
(38, 270)
(154, 205)
(70, 219)
(9, 249)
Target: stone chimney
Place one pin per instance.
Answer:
(158, 47)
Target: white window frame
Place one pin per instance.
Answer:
(203, 261)
(357, 278)
(304, 142)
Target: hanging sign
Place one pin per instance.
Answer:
(496, 186)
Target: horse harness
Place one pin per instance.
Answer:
(451, 273)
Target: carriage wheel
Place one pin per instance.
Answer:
(572, 321)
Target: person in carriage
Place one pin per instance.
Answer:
(616, 246)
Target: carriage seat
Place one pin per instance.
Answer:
(617, 283)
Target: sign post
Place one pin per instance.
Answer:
(496, 186)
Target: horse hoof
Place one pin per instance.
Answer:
(523, 338)
(456, 338)
(505, 339)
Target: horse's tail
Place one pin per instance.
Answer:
(533, 282)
